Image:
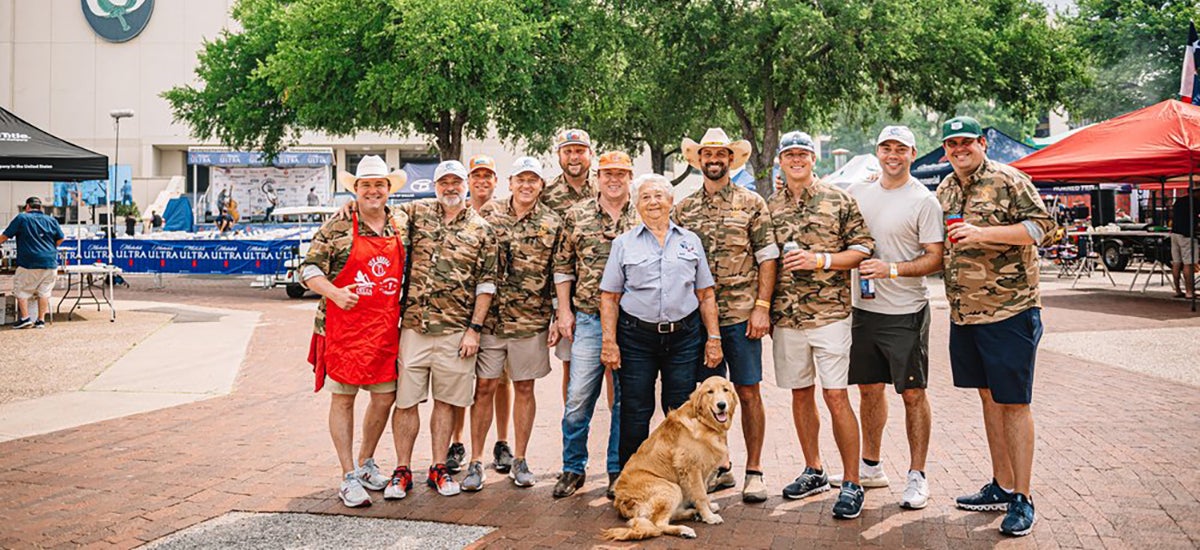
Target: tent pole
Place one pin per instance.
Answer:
(112, 308)
(195, 199)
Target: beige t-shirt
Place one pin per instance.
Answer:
(900, 220)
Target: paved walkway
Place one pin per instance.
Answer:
(1113, 455)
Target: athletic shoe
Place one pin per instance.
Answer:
(24, 323)
(612, 481)
(1020, 518)
(809, 483)
(370, 476)
(721, 479)
(870, 477)
(474, 480)
(849, 502)
(440, 479)
(39, 324)
(754, 490)
(503, 457)
(521, 475)
(990, 498)
(352, 492)
(568, 483)
(400, 484)
(916, 493)
(455, 457)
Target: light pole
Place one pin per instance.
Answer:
(117, 115)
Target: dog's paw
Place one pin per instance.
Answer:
(687, 532)
(714, 519)
(714, 506)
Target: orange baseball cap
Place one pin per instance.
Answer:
(481, 161)
(615, 160)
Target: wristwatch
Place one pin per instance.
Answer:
(475, 327)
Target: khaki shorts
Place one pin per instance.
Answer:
(432, 363)
(528, 358)
(562, 350)
(28, 282)
(1181, 250)
(803, 355)
(350, 389)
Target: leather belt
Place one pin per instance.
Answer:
(664, 327)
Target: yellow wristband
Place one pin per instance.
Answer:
(893, 271)
(820, 261)
(762, 303)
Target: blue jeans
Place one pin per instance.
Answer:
(587, 376)
(743, 357)
(645, 355)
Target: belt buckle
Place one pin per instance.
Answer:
(666, 328)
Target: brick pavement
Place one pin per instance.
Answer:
(1113, 464)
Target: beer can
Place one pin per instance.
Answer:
(866, 288)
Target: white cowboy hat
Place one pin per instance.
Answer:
(715, 137)
(371, 166)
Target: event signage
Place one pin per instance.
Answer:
(117, 20)
(227, 257)
(255, 158)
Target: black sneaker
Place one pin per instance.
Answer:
(990, 498)
(568, 483)
(809, 483)
(455, 457)
(24, 323)
(503, 457)
(849, 502)
(39, 324)
(1020, 518)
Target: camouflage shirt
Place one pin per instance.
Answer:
(735, 227)
(822, 219)
(560, 196)
(588, 233)
(330, 248)
(452, 262)
(524, 268)
(986, 283)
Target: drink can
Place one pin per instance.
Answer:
(790, 246)
(866, 288)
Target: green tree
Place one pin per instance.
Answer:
(446, 69)
(1136, 50)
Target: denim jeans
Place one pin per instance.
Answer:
(645, 355)
(587, 377)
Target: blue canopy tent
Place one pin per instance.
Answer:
(931, 168)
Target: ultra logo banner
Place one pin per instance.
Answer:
(229, 257)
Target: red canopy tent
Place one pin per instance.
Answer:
(1151, 145)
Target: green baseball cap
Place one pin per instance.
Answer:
(961, 126)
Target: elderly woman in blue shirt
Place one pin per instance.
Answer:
(656, 304)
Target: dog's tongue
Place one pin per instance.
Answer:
(721, 416)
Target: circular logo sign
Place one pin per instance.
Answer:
(117, 20)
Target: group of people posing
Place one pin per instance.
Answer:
(621, 280)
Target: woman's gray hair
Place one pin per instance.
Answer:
(652, 180)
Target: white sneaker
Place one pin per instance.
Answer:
(352, 492)
(916, 493)
(370, 476)
(870, 477)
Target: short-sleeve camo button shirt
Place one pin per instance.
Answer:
(524, 268)
(986, 283)
(588, 233)
(822, 219)
(451, 261)
(330, 248)
(736, 228)
(560, 196)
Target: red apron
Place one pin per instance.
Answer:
(361, 345)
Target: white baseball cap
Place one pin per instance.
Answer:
(897, 133)
(527, 164)
(450, 167)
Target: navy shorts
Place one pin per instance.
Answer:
(998, 356)
(743, 357)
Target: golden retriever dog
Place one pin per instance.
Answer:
(665, 480)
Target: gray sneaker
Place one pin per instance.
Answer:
(352, 492)
(474, 480)
(503, 457)
(520, 473)
(370, 477)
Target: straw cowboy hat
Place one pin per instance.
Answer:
(715, 137)
(371, 166)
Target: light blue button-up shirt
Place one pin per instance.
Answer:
(657, 283)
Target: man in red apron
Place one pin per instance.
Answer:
(356, 264)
